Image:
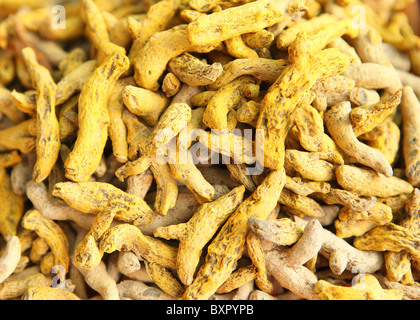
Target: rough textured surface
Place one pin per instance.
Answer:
(192, 238)
(366, 182)
(48, 141)
(53, 235)
(230, 240)
(93, 197)
(94, 118)
(339, 125)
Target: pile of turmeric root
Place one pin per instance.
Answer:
(209, 150)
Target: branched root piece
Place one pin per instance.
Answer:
(267, 70)
(193, 71)
(305, 187)
(157, 18)
(53, 235)
(226, 98)
(237, 48)
(129, 238)
(195, 234)
(286, 264)
(151, 61)
(38, 195)
(301, 205)
(230, 241)
(283, 232)
(94, 197)
(286, 37)
(97, 32)
(356, 223)
(279, 104)
(94, 118)
(339, 126)
(308, 165)
(212, 28)
(343, 255)
(87, 254)
(390, 237)
(366, 118)
(172, 121)
(19, 137)
(128, 262)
